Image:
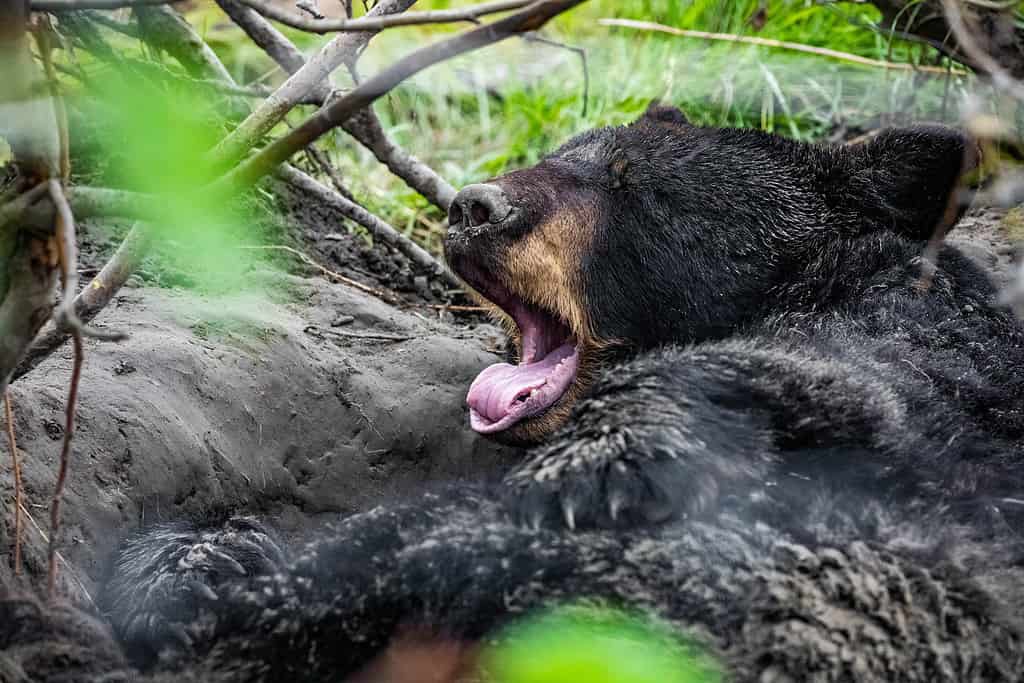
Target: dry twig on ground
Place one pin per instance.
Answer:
(12, 444)
(338, 277)
(376, 227)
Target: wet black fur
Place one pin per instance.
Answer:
(804, 459)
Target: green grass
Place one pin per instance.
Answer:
(506, 105)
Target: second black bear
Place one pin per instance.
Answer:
(760, 417)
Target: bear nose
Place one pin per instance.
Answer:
(477, 205)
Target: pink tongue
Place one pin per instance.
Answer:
(503, 394)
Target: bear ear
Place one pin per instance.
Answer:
(910, 179)
(663, 113)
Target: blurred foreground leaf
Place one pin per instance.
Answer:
(155, 138)
(595, 645)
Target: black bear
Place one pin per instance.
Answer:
(761, 415)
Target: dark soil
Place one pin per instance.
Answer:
(324, 233)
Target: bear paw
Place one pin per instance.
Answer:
(168, 581)
(615, 478)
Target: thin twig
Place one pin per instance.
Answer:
(42, 35)
(62, 472)
(311, 7)
(449, 16)
(67, 565)
(769, 42)
(459, 309)
(379, 293)
(321, 160)
(12, 443)
(581, 52)
(378, 336)
(68, 249)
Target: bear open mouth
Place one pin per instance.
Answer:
(503, 394)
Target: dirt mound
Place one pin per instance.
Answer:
(308, 399)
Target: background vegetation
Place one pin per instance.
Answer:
(502, 108)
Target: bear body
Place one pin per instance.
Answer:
(761, 413)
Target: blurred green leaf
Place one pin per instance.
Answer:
(156, 138)
(596, 645)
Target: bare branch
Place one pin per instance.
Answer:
(165, 29)
(340, 109)
(364, 126)
(73, 5)
(67, 243)
(377, 228)
(309, 77)
(89, 202)
(272, 41)
(367, 23)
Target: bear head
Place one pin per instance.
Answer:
(658, 232)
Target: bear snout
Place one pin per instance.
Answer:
(477, 206)
(478, 222)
